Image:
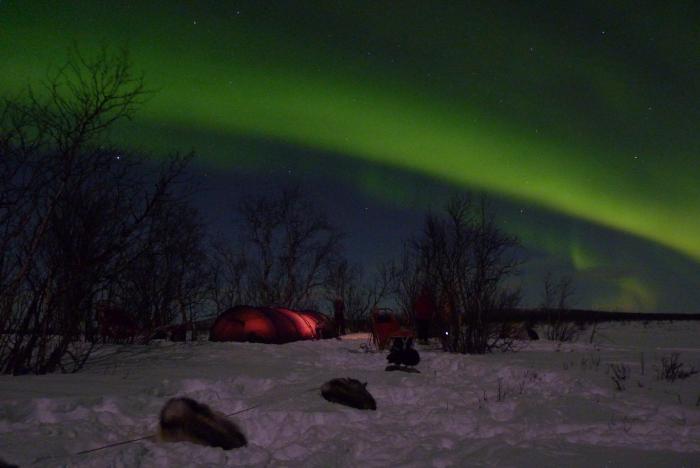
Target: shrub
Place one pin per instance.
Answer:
(671, 369)
(619, 374)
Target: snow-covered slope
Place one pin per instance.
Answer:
(546, 405)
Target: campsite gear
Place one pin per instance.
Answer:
(402, 352)
(268, 325)
(184, 419)
(385, 326)
(348, 392)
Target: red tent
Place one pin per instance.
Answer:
(267, 325)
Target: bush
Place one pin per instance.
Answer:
(619, 374)
(561, 330)
(671, 369)
(555, 298)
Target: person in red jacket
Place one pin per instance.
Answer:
(423, 310)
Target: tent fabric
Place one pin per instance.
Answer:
(270, 325)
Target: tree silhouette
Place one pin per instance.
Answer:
(465, 259)
(75, 210)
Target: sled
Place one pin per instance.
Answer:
(386, 327)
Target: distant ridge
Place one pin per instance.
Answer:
(582, 315)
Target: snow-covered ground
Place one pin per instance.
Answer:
(557, 405)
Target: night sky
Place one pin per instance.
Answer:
(579, 120)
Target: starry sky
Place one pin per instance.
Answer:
(579, 120)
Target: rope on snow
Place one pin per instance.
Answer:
(153, 436)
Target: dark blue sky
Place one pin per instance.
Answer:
(578, 119)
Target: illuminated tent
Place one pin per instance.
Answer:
(268, 325)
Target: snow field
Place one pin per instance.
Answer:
(546, 405)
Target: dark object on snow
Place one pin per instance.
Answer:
(348, 392)
(266, 325)
(184, 419)
(394, 367)
(4, 464)
(531, 333)
(402, 352)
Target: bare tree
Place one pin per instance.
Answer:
(466, 260)
(408, 280)
(285, 254)
(228, 274)
(75, 209)
(359, 294)
(555, 304)
(168, 278)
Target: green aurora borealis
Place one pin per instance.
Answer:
(586, 112)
